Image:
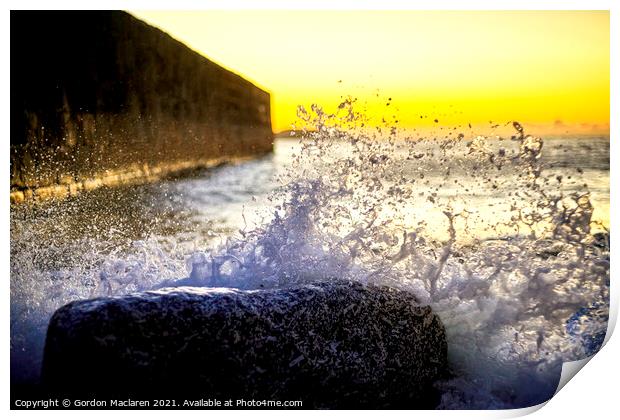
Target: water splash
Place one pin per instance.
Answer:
(499, 241)
(510, 281)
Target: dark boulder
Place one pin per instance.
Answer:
(330, 345)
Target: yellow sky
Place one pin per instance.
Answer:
(548, 69)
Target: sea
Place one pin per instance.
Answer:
(506, 237)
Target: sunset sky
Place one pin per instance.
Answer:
(546, 69)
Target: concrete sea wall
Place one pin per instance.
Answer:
(101, 98)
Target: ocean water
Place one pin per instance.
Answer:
(505, 237)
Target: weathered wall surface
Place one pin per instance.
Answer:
(101, 95)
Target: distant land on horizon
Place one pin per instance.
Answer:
(531, 129)
(292, 133)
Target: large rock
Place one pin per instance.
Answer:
(331, 345)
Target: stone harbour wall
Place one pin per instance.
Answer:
(102, 98)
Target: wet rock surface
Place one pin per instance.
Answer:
(330, 345)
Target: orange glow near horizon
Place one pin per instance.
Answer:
(546, 69)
